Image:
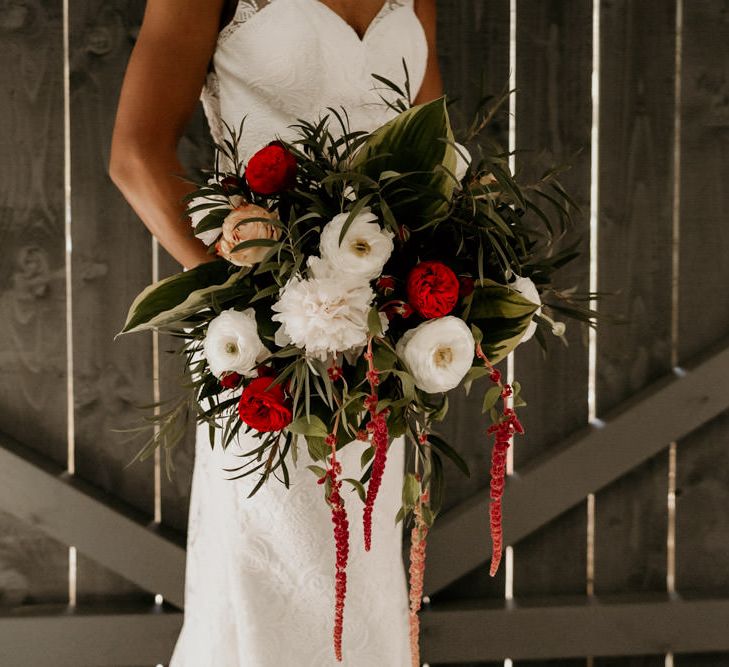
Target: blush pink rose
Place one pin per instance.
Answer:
(236, 230)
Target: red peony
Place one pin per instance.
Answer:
(432, 289)
(264, 409)
(271, 170)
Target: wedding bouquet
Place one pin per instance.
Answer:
(358, 278)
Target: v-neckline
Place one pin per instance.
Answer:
(347, 24)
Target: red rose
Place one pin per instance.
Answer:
(271, 170)
(230, 380)
(264, 409)
(432, 289)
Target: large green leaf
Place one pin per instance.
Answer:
(173, 299)
(502, 314)
(417, 140)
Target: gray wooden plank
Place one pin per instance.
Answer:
(561, 629)
(112, 262)
(703, 458)
(553, 121)
(591, 459)
(33, 567)
(45, 636)
(33, 394)
(702, 659)
(113, 534)
(196, 153)
(634, 267)
(473, 48)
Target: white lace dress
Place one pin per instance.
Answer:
(260, 571)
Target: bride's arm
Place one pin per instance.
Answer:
(432, 86)
(161, 87)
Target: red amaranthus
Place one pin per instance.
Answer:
(341, 540)
(504, 430)
(377, 427)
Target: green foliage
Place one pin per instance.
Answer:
(173, 299)
(489, 227)
(413, 158)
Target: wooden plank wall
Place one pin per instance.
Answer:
(635, 263)
(702, 550)
(553, 111)
(109, 378)
(473, 45)
(111, 262)
(635, 260)
(634, 267)
(33, 568)
(196, 153)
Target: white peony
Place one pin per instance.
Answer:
(529, 291)
(323, 315)
(209, 237)
(232, 343)
(438, 353)
(364, 250)
(463, 161)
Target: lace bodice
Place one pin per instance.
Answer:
(278, 61)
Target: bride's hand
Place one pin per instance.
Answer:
(161, 88)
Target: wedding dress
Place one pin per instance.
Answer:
(259, 588)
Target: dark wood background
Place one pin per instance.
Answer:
(643, 194)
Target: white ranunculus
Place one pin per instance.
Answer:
(210, 236)
(463, 161)
(529, 291)
(232, 343)
(323, 315)
(365, 249)
(438, 353)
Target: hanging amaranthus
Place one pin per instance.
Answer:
(377, 428)
(341, 540)
(503, 429)
(417, 572)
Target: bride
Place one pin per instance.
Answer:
(259, 588)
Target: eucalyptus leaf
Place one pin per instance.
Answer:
(410, 490)
(451, 453)
(358, 486)
(490, 398)
(318, 449)
(309, 426)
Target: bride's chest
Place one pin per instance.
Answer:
(295, 48)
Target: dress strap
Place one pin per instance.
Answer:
(244, 9)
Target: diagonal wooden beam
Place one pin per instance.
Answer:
(123, 540)
(590, 460)
(63, 637)
(574, 628)
(74, 512)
